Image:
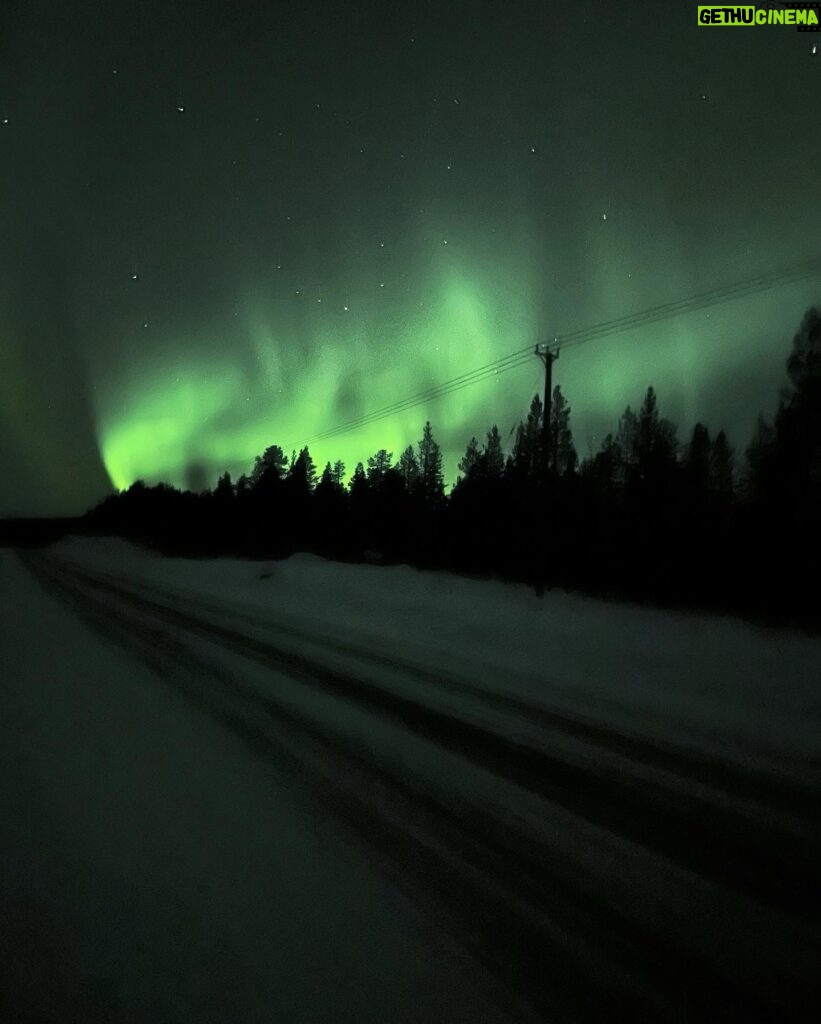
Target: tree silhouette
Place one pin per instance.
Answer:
(470, 460)
(640, 518)
(224, 491)
(493, 456)
(431, 477)
(409, 469)
(563, 457)
(303, 471)
(656, 443)
(527, 457)
(358, 486)
(269, 467)
(722, 467)
(378, 466)
(696, 462)
(785, 459)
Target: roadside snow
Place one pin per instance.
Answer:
(151, 871)
(699, 681)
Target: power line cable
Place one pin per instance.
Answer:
(654, 314)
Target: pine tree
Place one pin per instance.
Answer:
(656, 436)
(654, 446)
(470, 460)
(359, 482)
(224, 491)
(431, 479)
(303, 471)
(269, 466)
(624, 448)
(606, 468)
(328, 486)
(721, 466)
(493, 455)
(627, 437)
(563, 459)
(804, 362)
(785, 459)
(696, 462)
(527, 448)
(798, 424)
(760, 458)
(378, 466)
(409, 468)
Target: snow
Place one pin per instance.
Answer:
(151, 871)
(310, 791)
(692, 679)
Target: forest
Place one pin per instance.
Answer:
(651, 516)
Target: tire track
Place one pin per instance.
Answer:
(707, 829)
(505, 895)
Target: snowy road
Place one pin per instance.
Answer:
(404, 840)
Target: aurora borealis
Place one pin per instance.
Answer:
(228, 225)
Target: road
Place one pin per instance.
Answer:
(514, 861)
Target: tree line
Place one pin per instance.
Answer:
(648, 516)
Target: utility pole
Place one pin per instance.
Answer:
(548, 357)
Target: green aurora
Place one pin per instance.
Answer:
(230, 226)
(183, 420)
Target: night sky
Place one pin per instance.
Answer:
(225, 225)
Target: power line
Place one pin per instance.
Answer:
(654, 314)
(762, 283)
(509, 362)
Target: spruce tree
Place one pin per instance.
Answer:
(431, 479)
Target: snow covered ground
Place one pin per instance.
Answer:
(306, 791)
